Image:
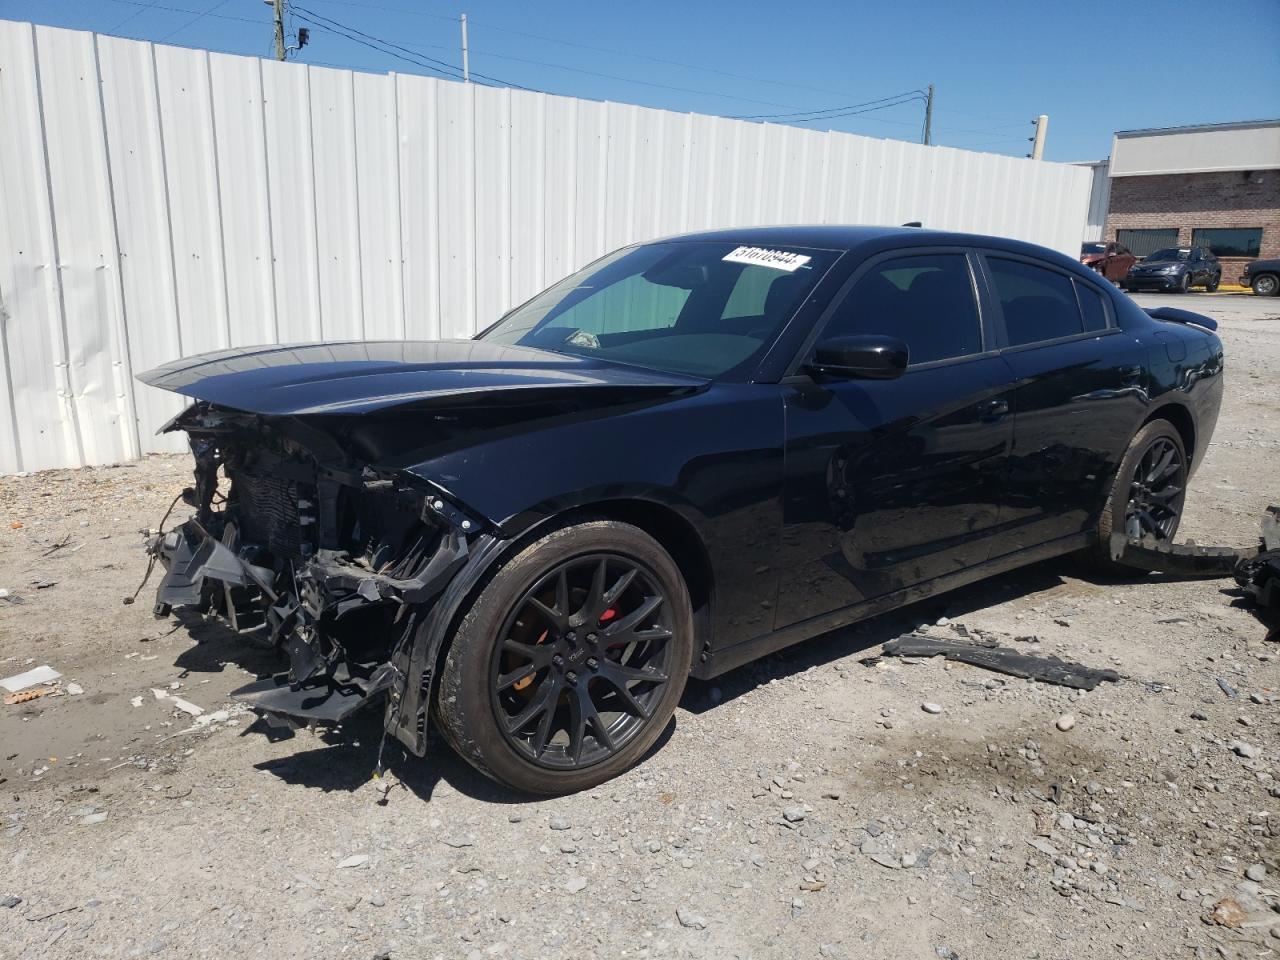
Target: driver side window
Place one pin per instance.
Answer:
(927, 301)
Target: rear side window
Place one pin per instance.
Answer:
(927, 301)
(1038, 304)
(1092, 307)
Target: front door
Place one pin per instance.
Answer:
(890, 483)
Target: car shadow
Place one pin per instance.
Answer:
(348, 756)
(344, 757)
(703, 695)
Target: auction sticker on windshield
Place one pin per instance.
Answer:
(760, 257)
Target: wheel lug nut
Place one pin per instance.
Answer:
(558, 660)
(591, 638)
(571, 677)
(571, 636)
(593, 663)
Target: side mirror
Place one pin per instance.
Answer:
(866, 357)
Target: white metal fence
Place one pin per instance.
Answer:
(158, 202)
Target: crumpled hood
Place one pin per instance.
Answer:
(360, 376)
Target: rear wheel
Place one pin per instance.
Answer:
(1266, 285)
(1212, 285)
(571, 661)
(1148, 493)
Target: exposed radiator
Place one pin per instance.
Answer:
(268, 512)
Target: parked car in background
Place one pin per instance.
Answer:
(1263, 276)
(687, 455)
(1175, 270)
(1110, 259)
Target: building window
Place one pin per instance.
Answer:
(1229, 241)
(1144, 242)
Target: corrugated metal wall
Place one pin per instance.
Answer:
(159, 202)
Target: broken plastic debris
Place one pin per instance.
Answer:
(186, 706)
(74, 689)
(1002, 660)
(19, 681)
(25, 695)
(136, 701)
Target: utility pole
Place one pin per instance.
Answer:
(1037, 142)
(928, 117)
(466, 62)
(279, 5)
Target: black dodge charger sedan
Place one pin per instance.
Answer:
(688, 454)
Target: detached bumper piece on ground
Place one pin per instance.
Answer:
(1063, 673)
(1255, 569)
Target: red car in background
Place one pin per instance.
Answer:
(1112, 260)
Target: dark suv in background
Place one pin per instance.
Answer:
(1175, 270)
(1263, 276)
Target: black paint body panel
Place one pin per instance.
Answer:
(813, 502)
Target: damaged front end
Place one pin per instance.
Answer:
(332, 560)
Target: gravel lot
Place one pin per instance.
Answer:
(803, 806)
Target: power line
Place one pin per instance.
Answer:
(379, 49)
(195, 19)
(156, 6)
(440, 65)
(586, 46)
(812, 113)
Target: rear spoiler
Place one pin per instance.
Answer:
(1174, 315)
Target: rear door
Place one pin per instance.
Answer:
(1079, 386)
(890, 483)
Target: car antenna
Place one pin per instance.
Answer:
(913, 223)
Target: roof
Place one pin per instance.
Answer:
(866, 240)
(1199, 127)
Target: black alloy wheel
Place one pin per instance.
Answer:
(1157, 489)
(582, 662)
(1212, 285)
(1185, 283)
(569, 662)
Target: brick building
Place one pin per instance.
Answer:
(1215, 185)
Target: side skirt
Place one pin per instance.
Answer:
(729, 658)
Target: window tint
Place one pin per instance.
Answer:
(1229, 241)
(926, 301)
(1142, 242)
(1091, 305)
(1038, 304)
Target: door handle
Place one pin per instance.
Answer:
(993, 409)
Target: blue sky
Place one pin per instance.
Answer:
(1093, 67)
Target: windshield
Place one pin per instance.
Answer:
(1093, 248)
(1170, 253)
(697, 307)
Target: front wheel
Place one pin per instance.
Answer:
(1148, 493)
(1266, 285)
(1212, 285)
(571, 660)
(1184, 284)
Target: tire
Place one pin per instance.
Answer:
(1124, 501)
(1212, 285)
(1184, 285)
(546, 620)
(1266, 285)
